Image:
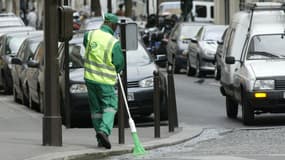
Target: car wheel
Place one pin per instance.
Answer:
(247, 111)
(175, 68)
(15, 95)
(217, 73)
(32, 104)
(199, 73)
(25, 99)
(6, 83)
(232, 107)
(190, 70)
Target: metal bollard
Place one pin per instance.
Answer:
(156, 104)
(169, 98)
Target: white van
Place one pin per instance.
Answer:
(203, 11)
(253, 60)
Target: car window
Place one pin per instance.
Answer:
(138, 57)
(76, 55)
(39, 53)
(21, 52)
(201, 11)
(189, 31)
(231, 39)
(31, 49)
(266, 47)
(13, 44)
(214, 34)
(199, 34)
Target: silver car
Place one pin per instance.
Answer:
(202, 50)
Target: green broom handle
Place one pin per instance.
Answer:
(124, 95)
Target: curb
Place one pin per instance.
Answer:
(187, 133)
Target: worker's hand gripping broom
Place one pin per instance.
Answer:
(138, 148)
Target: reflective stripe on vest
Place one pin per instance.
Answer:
(98, 58)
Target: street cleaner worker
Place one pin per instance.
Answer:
(103, 60)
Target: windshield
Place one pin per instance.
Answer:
(172, 8)
(136, 57)
(189, 31)
(214, 34)
(76, 55)
(266, 47)
(13, 44)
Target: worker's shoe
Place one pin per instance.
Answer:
(104, 139)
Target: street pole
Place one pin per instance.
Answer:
(52, 131)
(121, 114)
(157, 12)
(66, 79)
(147, 8)
(109, 6)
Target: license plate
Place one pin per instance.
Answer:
(131, 96)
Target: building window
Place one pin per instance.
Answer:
(201, 11)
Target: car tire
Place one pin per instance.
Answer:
(25, 100)
(199, 73)
(217, 73)
(247, 111)
(32, 104)
(6, 83)
(190, 70)
(41, 102)
(175, 68)
(15, 95)
(231, 108)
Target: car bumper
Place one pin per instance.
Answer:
(181, 61)
(208, 63)
(274, 101)
(140, 102)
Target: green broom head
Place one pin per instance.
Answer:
(138, 148)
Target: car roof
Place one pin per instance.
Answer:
(267, 29)
(27, 33)
(11, 21)
(16, 29)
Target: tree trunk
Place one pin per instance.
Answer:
(129, 6)
(96, 7)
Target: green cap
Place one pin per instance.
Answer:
(111, 17)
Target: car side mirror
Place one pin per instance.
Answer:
(194, 40)
(230, 60)
(220, 42)
(16, 60)
(160, 60)
(173, 39)
(33, 64)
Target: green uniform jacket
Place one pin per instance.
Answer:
(117, 54)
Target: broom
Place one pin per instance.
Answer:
(138, 148)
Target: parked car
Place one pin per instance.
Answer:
(178, 41)
(202, 50)
(140, 83)
(35, 79)
(10, 21)
(252, 71)
(218, 56)
(19, 68)
(9, 46)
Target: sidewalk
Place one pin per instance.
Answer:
(21, 137)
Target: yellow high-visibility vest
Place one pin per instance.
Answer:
(98, 58)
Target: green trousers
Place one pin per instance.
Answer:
(103, 104)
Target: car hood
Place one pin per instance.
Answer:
(210, 46)
(135, 73)
(268, 68)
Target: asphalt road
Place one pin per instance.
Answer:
(199, 103)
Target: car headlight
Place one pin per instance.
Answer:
(78, 88)
(264, 84)
(145, 83)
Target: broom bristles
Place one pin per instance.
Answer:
(138, 148)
